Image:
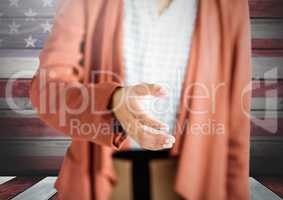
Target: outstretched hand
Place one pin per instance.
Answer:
(149, 133)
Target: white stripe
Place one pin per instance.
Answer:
(267, 67)
(267, 103)
(267, 28)
(18, 67)
(4, 179)
(259, 192)
(18, 113)
(43, 190)
(263, 67)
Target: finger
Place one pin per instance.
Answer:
(147, 89)
(146, 120)
(154, 141)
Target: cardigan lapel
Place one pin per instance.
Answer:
(188, 77)
(103, 62)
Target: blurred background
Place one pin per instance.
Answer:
(28, 147)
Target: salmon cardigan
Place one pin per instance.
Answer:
(213, 163)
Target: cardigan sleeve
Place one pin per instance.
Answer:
(58, 92)
(240, 105)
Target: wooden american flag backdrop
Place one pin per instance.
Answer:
(29, 147)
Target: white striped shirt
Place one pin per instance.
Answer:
(156, 50)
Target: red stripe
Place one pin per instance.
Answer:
(20, 87)
(31, 165)
(267, 53)
(26, 127)
(264, 88)
(267, 43)
(17, 185)
(266, 8)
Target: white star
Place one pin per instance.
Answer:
(14, 3)
(14, 28)
(30, 14)
(47, 3)
(46, 27)
(30, 41)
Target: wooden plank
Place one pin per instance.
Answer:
(27, 128)
(274, 183)
(20, 90)
(267, 43)
(259, 192)
(265, 93)
(266, 114)
(27, 8)
(21, 34)
(34, 147)
(18, 113)
(42, 190)
(44, 148)
(31, 166)
(264, 123)
(16, 186)
(14, 88)
(267, 33)
(264, 152)
(55, 197)
(25, 53)
(262, 90)
(266, 8)
(25, 67)
(4, 179)
(18, 67)
(31, 114)
(267, 28)
(267, 53)
(16, 29)
(270, 101)
(267, 68)
(267, 88)
(47, 8)
(22, 128)
(17, 103)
